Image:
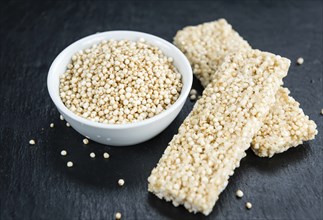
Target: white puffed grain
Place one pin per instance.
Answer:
(69, 164)
(118, 215)
(121, 182)
(106, 155)
(192, 97)
(248, 205)
(85, 141)
(300, 61)
(63, 152)
(193, 92)
(239, 193)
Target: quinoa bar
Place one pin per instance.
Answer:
(286, 126)
(205, 45)
(212, 140)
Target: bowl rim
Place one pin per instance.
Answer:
(60, 105)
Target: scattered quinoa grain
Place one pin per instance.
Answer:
(69, 164)
(61, 117)
(85, 141)
(248, 205)
(63, 152)
(118, 215)
(322, 111)
(193, 97)
(106, 155)
(239, 193)
(92, 155)
(193, 92)
(32, 142)
(68, 124)
(121, 182)
(51, 125)
(300, 61)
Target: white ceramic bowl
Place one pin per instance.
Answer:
(119, 134)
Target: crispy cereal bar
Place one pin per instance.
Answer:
(286, 126)
(205, 45)
(212, 140)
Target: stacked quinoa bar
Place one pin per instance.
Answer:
(212, 140)
(285, 125)
(243, 103)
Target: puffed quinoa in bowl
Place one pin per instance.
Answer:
(119, 82)
(96, 98)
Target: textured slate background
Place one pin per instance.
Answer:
(34, 180)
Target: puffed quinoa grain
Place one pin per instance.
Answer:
(32, 142)
(300, 61)
(212, 140)
(322, 111)
(69, 164)
(68, 124)
(51, 125)
(118, 215)
(205, 45)
(61, 117)
(193, 92)
(106, 155)
(92, 155)
(63, 152)
(193, 97)
(121, 182)
(85, 141)
(239, 193)
(118, 82)
(248, 205)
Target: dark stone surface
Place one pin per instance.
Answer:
(34, 180)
